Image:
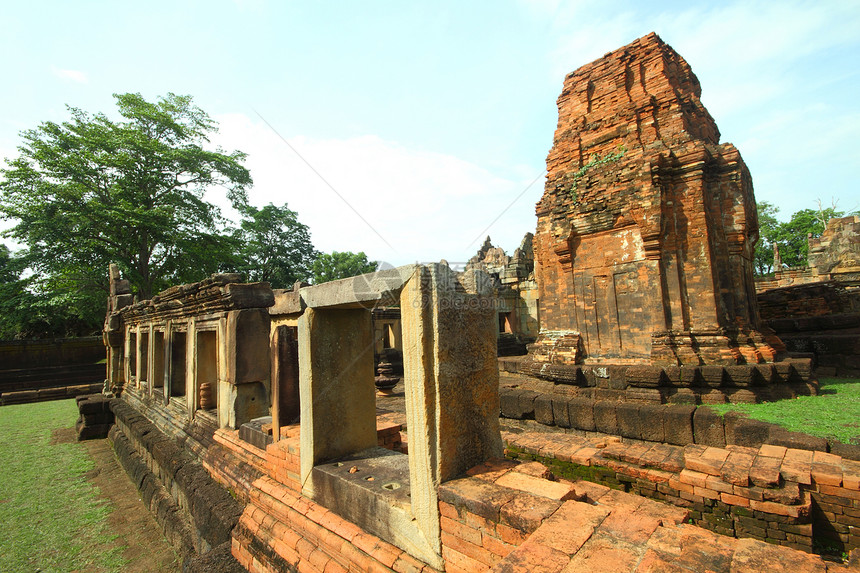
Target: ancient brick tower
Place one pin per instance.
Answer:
(647, 225)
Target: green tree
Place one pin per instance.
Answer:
(768, 229)
(91, 191)
(30, 308)
(330, 267)
(274, 246)
(791, 236)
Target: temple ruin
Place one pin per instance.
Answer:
(816, 309)
(202, 354)
(249, 418)
(645, 234)
(647, 225)
(516, 292)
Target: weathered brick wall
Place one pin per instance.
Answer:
(801, 301)
(821, 318)
(647, 224)
(177, 489)
(512, 518)
(279, 529)
(37, 370)
(837, 252)
(780, 495)
(786, 277)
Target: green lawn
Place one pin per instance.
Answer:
(835, 413)
(51, 517)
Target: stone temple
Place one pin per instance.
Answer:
(647, 225)
(249, 418)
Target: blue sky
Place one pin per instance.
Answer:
(430, 120)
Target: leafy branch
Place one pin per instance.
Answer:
(593, 163)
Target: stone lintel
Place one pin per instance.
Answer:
(364, 291)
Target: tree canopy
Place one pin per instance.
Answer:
(330, 267)
(92, 191)
(274, 246)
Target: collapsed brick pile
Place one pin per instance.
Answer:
(509, 518)
(780, 495)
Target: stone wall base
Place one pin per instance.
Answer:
(711, 384)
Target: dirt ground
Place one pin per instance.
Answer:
(144, 545)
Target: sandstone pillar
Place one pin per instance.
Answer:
(338, 398)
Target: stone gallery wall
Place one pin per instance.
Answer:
(17, 354)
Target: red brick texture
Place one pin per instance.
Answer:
(784, 496)
(599, 529)
(647, 224)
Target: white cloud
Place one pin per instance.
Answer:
(418, 205)
(72, 75)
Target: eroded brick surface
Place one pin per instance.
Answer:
(781, 502)
(636, 176)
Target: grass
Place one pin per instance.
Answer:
(835, 413)
(52, 518)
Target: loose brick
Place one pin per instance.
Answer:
(750, 556)
(851, 474)
(570, 527)
(706, 493)
(491, 470)
(537, 486)
(477, 496)
(602, 554)
(709, 461)
(583, 456)
(526, 511)
(694, 478)
(778, 508)
(533, 557)
(680, 486)
(734, 500)
(764, 471)
(460, 562)
(510, 535)
(461, 530)
(839, 492)
(471, 550)
(827, 474)
(448, 510)
(496, 546)
(797, 466)
(736, 469)
(715, 483)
